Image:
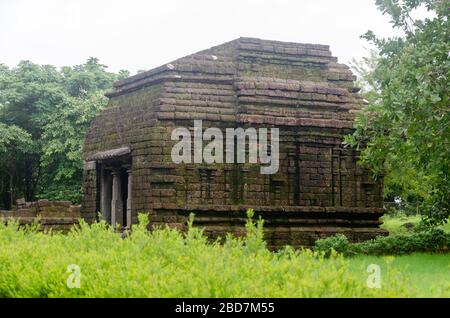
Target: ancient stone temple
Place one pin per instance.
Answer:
(318, 189)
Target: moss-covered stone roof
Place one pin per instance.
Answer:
(271, 82)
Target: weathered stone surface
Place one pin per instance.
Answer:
(57, 215)
(299, 88)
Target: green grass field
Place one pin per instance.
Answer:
(395, 224)
(429, 274)
(166, 263)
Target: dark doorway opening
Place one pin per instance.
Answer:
(114, 188)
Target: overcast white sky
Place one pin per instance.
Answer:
(136, 35)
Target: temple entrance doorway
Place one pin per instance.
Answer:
(115, 182)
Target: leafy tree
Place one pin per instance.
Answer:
(365, 80)
(28, 94)
(15, 143)
(44, 114)
(405, 129)
(403, 183)
(81, 80)
(62, 139)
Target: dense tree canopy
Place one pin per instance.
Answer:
(405, 130)
(44, 113)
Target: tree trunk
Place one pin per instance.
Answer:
(11, 187)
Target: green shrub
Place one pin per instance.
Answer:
(338, 243)
(432, 240)
(167, 263)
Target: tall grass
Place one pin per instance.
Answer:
(167, 263)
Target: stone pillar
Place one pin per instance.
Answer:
(105, 194)
(116, 201)
(129, 199)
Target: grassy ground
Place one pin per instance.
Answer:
(396, 224)
(428, 274)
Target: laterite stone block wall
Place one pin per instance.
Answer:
(56, 215)
(301, 89)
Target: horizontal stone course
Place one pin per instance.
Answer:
(58, 215)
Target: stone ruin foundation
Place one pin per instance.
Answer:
(55, 215)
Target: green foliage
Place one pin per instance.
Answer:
(254, 241)
(62, 140)
(428, 271)
(15, 146)
(336, 243)
(13, 138)
(87, 78)
(44, 114)
(402, 224)
(167, 263)
(433, 240)
(405, 130)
